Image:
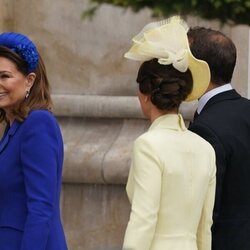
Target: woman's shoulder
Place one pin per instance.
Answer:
(199, 142)
(40, 116)
(41, 122)
(186, 139)
(155, 136)
(147, 139)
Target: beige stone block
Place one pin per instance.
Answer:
(99, 150)
(7, 15)
(94, 216)
(240, 36)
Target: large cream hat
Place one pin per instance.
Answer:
(168, 42)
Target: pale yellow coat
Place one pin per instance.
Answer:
(171, 187)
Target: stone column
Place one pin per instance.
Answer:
(6, 17)
(240, 35)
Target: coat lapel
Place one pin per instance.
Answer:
(12, 130)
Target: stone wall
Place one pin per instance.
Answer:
(94, 92)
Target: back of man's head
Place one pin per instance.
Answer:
(217, 50)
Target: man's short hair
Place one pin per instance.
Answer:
(217, 50)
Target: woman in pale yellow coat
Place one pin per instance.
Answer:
(171, 184)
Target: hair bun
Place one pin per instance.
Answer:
(167, 86)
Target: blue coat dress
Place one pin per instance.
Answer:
(31, 159)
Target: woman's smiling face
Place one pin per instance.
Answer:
(13, 85)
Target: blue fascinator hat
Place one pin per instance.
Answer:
(23, 46)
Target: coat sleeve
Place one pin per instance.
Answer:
(39, 156)
(221, 161)
(204, 238)
(144, 190)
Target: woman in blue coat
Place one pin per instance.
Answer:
(31, 151)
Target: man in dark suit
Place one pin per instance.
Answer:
(224, 121)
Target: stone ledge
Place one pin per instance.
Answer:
(106, 106)
(97, 106)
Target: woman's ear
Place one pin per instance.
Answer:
(146, 98)
(143, 97)
(30, 80)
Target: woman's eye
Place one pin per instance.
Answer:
(4, 76)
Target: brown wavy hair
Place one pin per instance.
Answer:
(39, 97)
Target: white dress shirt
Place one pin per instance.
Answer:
(206, 97)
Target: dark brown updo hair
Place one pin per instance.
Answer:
(166, 86)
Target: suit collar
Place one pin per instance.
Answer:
(223, 96)
(169, 121)
(208, 95)
(8, 134)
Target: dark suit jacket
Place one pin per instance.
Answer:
(31, 158)
(225, 123)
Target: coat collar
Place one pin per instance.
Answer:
(169, 121)
(8, 134)
(223, 96)
(208, 95)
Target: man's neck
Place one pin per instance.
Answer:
(212, 86)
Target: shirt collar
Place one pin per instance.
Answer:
(206, 97)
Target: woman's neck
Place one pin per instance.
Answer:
(155, 113)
